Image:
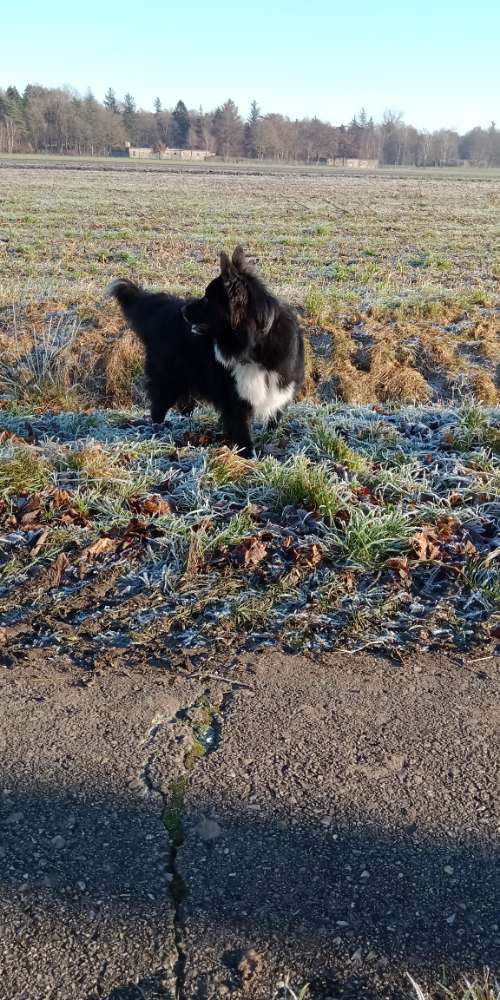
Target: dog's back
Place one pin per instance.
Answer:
(153, 316)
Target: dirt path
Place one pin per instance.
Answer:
(343, 831)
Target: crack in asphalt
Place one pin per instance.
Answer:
(171, 802)
(186, 729)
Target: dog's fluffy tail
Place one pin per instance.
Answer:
(125, 291)
(132, 300)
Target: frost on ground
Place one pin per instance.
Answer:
(358, 526)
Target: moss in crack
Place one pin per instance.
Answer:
(178, 888)
(172, 817)
(194, 754)
(205, 732)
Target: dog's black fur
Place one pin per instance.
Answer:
(238, 347)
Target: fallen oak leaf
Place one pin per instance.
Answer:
(400, 565)
(465, 548)
(425, 545)
(447, 526)
(54, 574)
(11, 438)
(30, 520)
(142, 529)
(309, 555)
(74, 516)
(60, 498)
(250, 552)
(151, 505)
(39, 542)
(102, 546)
(28, 505)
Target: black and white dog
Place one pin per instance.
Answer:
(238, 348)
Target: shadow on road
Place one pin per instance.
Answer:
(68, 862)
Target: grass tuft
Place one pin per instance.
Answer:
(23, 470)
(302, 483)
(371, 536)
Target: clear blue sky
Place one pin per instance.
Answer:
(437, 61)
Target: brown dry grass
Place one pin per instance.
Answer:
(408, 257)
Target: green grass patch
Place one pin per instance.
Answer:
(332, 443)
(372, 536)
(24, 470)
(302, 483)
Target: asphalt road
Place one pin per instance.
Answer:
(343, 831)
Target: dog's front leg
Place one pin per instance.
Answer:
(237, 421)
(275, 420)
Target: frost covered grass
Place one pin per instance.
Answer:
(388, 536)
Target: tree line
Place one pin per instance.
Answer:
(59, 120)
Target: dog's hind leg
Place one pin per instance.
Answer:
(158, 411)
(162, 396)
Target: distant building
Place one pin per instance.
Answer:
(352, 162)
(159, 153)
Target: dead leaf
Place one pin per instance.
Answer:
(30, 520)
(447, 527)
(74, 516)
(40, 541)
(400, 565)
(494, 554)
(466, 548)
(101, 547)
(425, 544)
(137, 530)
(55, 572)
(151, 505)
(11, 438)
(448, 440)
(61, 498)
(31, 504)
(251, 552)
(309, 555)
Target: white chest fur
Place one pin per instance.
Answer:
(258, 386)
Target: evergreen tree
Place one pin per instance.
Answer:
(199, 130)
(110, 102)
(129, 116)
(157, 106)
(227, 130)
(180, 125)
(254, 115)
(250, 130)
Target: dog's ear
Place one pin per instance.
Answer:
(237, 294)
(225, 265)
(267, 317)
(239, 259)
(236, 290)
